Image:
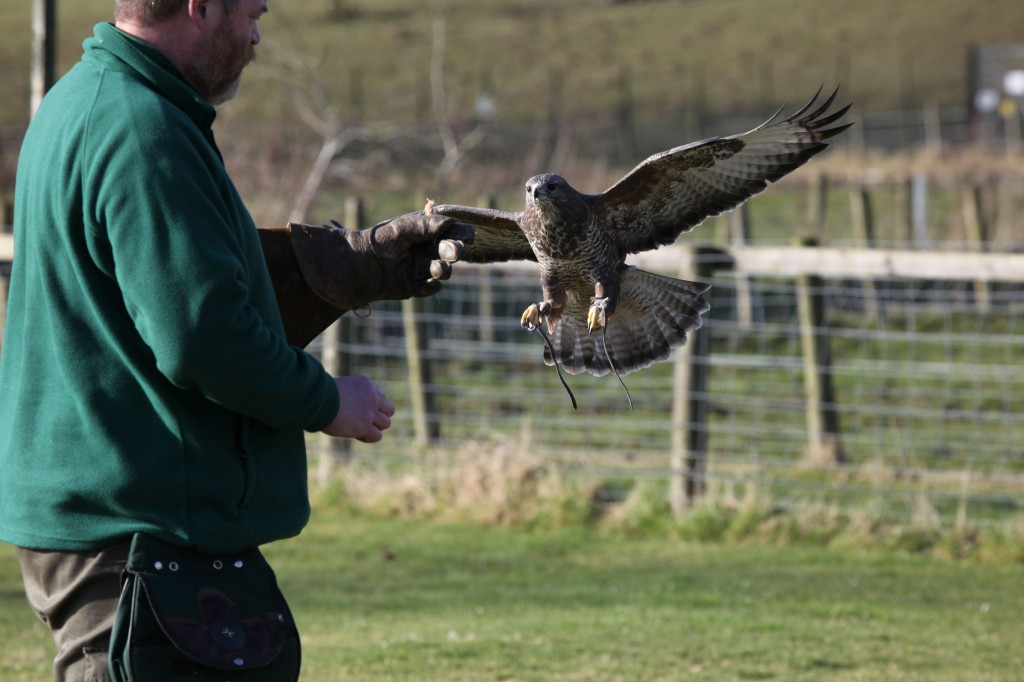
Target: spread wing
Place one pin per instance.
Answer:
(672, 192)
(498, 235)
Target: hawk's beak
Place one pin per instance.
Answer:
(539, 192)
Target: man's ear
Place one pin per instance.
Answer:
(197, 10)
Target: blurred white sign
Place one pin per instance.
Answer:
(1013, 83)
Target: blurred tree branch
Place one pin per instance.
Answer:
(455, 149)
(309, 98)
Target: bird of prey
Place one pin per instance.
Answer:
(601, 314)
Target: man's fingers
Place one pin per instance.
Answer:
(439, 270)
(380, 422)
(450, 250)
(385, 406)
(364, 412)
(372, 436)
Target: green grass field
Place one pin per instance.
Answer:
(399, 600)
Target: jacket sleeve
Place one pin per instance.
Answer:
(186, 258)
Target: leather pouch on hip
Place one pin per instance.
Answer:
(186, 615)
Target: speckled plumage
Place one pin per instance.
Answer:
(581, 240)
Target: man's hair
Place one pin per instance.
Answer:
(150, 12)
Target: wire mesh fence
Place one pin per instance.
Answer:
(928, 393)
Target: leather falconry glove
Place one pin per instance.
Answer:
(319, 273)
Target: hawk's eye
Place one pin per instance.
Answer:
(552, 186)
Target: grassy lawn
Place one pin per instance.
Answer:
(399, 600)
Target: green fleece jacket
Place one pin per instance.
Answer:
(145, 383)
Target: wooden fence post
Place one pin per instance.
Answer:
(817, 214)
(919, 210)
(422, 397)
(688, 457)
(423, 403)
(933, 129)
(863, 219)
(855, 137)
(739, 233)
(338, 451)
(975, 232)
(965, 497)
(1005, 232)
(912, 211)
(822, 418)
(904, 236)
(6, 212)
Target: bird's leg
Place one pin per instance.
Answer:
(597, 316)
(550, 309)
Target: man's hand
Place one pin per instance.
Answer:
(364, 413)
(420, 248)
(405, 257)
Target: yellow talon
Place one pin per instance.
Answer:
(531, 318)
(597, 316)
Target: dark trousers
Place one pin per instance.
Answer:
(76, 594)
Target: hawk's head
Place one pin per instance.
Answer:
(553, 198)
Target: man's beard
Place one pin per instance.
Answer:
(221, 70)
(227, 94)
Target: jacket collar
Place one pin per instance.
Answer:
(123, 52)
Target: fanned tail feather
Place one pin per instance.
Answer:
(653, 315)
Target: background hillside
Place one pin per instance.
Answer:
(732, 55)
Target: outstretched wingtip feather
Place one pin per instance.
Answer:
(824, 107)
(816, 123)
(771, 119)
(797, 115)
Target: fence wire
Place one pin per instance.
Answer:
(929, 387)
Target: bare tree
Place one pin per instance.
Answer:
(455, 149)
(311, 101)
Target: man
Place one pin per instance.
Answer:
(146, 385)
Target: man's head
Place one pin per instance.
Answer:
(210, 41)
(151, 12)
